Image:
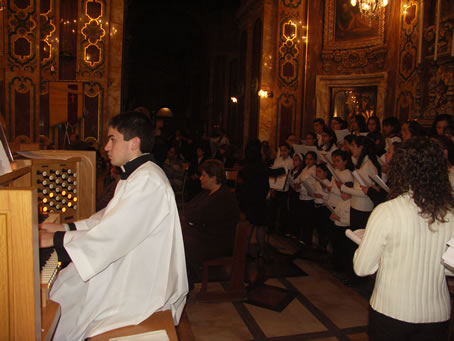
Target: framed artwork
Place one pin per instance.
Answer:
(345, 27)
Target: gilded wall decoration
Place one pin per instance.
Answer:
(445, 39)
(93, 38)
(363, 60)
(288, 53)
(291, 3)
(290, 56)
(440, 94)
(22, 36)
(437, 95)
(21, 75)
(48, 38)
(49, 49)
(22, 111)
(286, 118)
(93, 109)
(408, 79)
(94, 35)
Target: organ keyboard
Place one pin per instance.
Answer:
(48, 265)
(24, 317)
(48, 275)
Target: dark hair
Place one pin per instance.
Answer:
(416, 129)
(349, 138)
(319, 120)
(446, 144)
(361, 121)
(288, 135)
(253, 151)
(344, 155)
(134, 124)
(214, 168)
(323, 167)
(418, 166)
(377, 123)
(340, 120)
(441, 117)
(349, 184)
(314, 155)
(380, 146)
(449, 130)
(394, 123)
(332, 135)
(369, 150)
(297, 171)
(285, 144)
(314, 135)
(266, 150)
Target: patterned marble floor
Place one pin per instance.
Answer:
(323, 308)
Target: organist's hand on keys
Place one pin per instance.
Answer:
(46, 234)
(49, 227)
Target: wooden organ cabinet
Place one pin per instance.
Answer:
(22, 197)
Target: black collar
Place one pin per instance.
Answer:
(129, 167)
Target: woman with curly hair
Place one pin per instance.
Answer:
(404, 241)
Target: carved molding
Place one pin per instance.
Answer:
(356, 60)
(445, 40)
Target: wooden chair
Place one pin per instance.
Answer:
(231, 177)
(235, 288)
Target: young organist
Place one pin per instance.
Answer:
(127, 260)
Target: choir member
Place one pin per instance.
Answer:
(404, 241)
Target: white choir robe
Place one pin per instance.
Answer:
(127, 260)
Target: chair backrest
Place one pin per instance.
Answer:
(240, 250)
(231, 177)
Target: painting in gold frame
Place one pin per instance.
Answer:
(346, 28)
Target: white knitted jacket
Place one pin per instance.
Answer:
(410, 284)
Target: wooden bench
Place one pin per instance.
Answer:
(158, 321)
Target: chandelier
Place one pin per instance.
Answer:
(370, 8)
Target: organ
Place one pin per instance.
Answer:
(26, 313)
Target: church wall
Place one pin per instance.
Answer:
(61, 68)
(397, 51)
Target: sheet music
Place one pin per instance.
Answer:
(379, 181)
(358, 178)
(5, 166)
(319, 180)
(328, 206)
(448, 256)
(5, 154)
(333, 172)
(157, 335)
(324, 156)
(32, 155)
(303, 149)
(356, 235)
(310, 189)
(340, 135)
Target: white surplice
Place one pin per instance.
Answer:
(127, 260)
